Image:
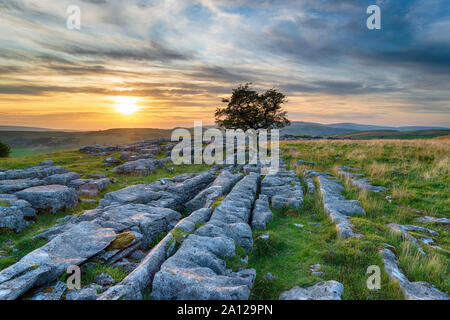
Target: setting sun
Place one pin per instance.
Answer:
(127, 105)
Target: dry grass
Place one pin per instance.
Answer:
(416, 175)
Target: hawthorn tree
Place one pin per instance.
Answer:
(4, 150)
(248, 109)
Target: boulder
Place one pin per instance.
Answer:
(171, 193)
(92, 188)
(52, 197)
(110, 161)
(87, 293)
(261, 213)
(77, 183)
(313, 174)
(14, 212)
(329, 290)
(104, 279)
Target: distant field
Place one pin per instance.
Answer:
(391, 134)
(24, 143)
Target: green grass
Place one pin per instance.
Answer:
(4, 204)
(392, 134)
(89, 275)
(416, 174)
(291, 250)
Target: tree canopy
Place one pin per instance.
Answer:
(248, 109)
(4, 150)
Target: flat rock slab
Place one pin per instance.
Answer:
(411, 290)
(14, 215)
(403, 230)
(172, 193)
(304, 162)
(62, 179)
(283, 189)
(142, 166)
(149, 221)
(358, 181)
(433, 220)
(197, 270)
(141, 277)
(313, 174)
(329, 290)
(45, 264)
(39, 172)
(52, 293)
(220, 187)
(11, 186)
(310, 187)
(261, 213)
(52, 198)
(338, 207)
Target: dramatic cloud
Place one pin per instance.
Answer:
(182, 56)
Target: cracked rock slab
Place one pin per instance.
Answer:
(261, 213)
(358, 181)
(45, 264)
(338, 208)
(197, 270)
(39, 172)
(283, 189)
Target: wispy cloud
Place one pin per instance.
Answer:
(182, 56)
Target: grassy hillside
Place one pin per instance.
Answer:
(415, 173)
(312, 129)
(391, 134)
(25, 143)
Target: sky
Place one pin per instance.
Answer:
(166, 63)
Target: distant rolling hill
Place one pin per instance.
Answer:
(24, 143)
(33, 129)
(392, 134)
(29, 140)
(299, 128)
